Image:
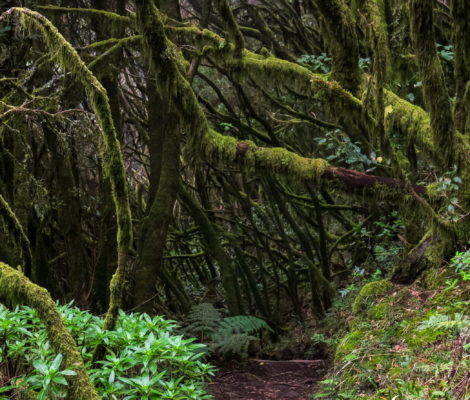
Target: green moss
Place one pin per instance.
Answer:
(369, 294)
(379, 311)
(232, 26)
(265, 70)
(388, 341)
(219, 147)
(107, 15)
(435, 278)
(411, 121)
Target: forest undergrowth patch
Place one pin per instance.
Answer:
(406, 342)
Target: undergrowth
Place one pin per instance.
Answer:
(407, 342)
(145, 358)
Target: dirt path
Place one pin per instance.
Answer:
(268, 380)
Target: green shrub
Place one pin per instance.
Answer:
(144, 358)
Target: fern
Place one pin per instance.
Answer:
(230, 336)
(233, 345)
(204, 319)
(242, 324)
(445, 323)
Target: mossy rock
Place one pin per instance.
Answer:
(369, 294)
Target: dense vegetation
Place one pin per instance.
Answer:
(260, 171)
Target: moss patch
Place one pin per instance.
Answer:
(369, 294)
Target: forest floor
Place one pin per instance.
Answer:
(267, 380)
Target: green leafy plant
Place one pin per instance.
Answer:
(229, 336)
(341, 149)
(444, 322)
(316, 63)
(319, 338)
(447, 188)
(144, 357)
(445, 52)
(49, 379)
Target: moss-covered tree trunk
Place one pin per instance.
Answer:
(436, 95)
(164, 148)
(155, 224)
(461, 42)
(340, 34)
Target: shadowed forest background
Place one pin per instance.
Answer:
(287, 179)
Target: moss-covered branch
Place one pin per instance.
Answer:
(279, 160)
(112, 157)
(413, 123)
(265, 71)
(17, 289)
(209, 144)
(108, 15)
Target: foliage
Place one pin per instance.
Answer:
(228, 336)
(461, 263)
(447, 188)
(445, 52)
(144, 359)
(340, 148)
(295, 126)
(316, 63)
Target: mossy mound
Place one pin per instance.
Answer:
(369, 294)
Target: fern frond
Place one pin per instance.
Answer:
(446, 323)
(243, 324)
(204, 319)
(233, 345)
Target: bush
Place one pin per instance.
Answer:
(144, 358)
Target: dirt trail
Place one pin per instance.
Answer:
(268, 380)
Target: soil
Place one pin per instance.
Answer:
(267, 380)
